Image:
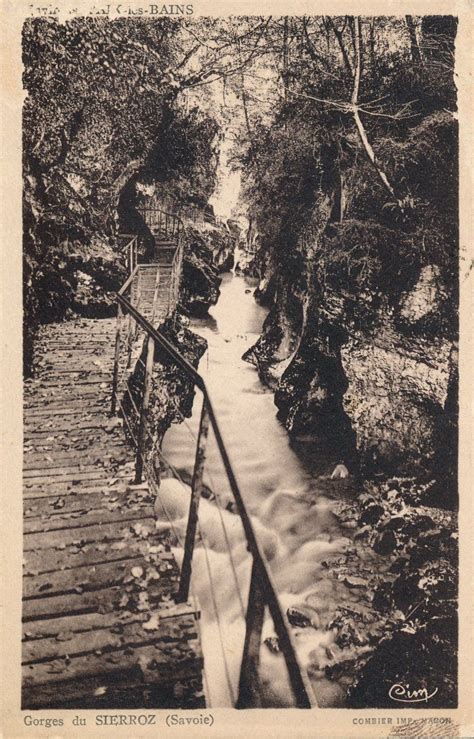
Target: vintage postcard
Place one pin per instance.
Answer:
(236, 304)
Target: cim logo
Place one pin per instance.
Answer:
(404, 694)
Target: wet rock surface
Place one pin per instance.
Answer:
(396, 394)
(396, 621)
(172, 393)
(350, 555)
(408, 634)
(339, 364)
(206, 254)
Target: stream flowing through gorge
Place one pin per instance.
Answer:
(290, 502)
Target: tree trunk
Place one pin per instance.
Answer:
(415, 48)
(372, 43)
(285, 53)
(355, 111)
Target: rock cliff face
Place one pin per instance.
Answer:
(222, 244)
(375, 379)
(207, 253)
(172, 393)
(396, 396)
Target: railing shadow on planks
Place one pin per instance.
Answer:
(142, 307)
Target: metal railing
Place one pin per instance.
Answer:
(141, 339)
(128, 245)
(161, 223)
(176, 270)
(262, 592)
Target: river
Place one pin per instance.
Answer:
(289, 497)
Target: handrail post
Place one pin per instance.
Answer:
(155, 296)
(249, 683)
(135, 288)
(265, 589)
(113, 405)
(150, 355)
(196, 490)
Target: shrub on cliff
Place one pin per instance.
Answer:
(367, 190)
(101, 110)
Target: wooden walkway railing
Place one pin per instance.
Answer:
(262, 593)
(128, 245)
(162, 223)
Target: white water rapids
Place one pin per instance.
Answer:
(289, 506)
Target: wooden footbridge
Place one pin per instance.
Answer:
(107, 617)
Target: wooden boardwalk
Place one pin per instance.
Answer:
(100, 626)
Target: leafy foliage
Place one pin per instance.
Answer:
(101, 111)
(320, 194)
(419, 639)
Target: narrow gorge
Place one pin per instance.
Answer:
(311, 165)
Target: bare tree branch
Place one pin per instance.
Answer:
(210, 68)
(340, 40)
(355, 110)
(416, 54)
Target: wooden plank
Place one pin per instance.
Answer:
(64, 466)
(85, 622)
(94, 379)
(75, 435)
(74, 476)
(72, 603)
(98, 342)
(84, 579)
(54, 412)
(93, 424)
(52, 392)
(83, 337)
(72, 556)
(60, 431)
(131, 634)
(76, 340)
(106, 599)
(65, 471)
(88, 456)
(116, 661)
(101, 516)
(71, 328)
(38, 489)
(118, 486)
(49, 628)
(121, 689)
(156, 570)
(66, 504)
(61, 355)
(62, 371)
(95, 399)
(80, 333)
(74, 365)
(111, 531)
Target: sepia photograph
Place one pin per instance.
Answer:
(240, 361)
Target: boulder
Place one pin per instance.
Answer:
(385, 543)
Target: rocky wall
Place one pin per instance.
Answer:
(207, 253)
(172, 393)
(376, 381)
